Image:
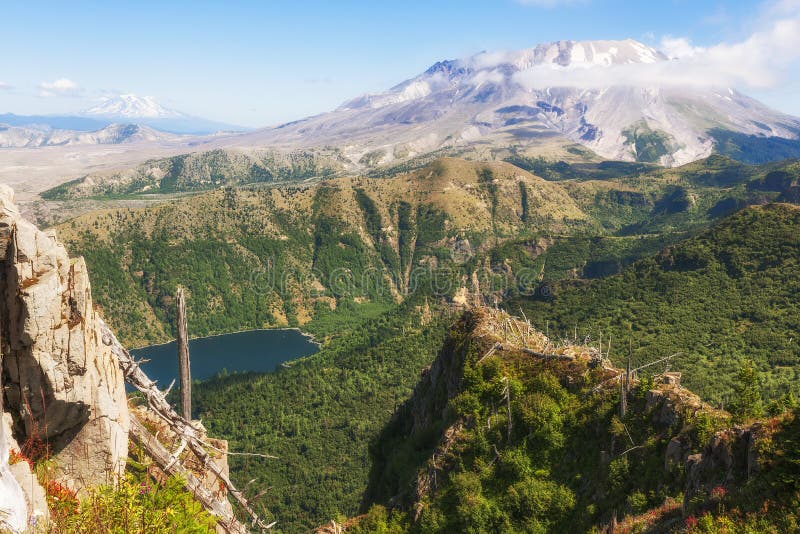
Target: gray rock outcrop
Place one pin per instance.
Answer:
(23, 503)
(62, 385)
(731, 456)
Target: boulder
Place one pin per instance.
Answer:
(724, 460)
(676, 453)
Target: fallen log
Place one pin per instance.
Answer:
(544, 356)
(171, 465)
(183, 429)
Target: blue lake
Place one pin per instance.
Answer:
(254, 350)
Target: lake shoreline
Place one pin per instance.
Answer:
(262, 350)
(293, 328)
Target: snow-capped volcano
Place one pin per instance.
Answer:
(618, 98)
(146, 110)
(131, 106)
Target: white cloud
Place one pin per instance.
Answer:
(486, 76)
(59, 87)
(678, 47)
(5, 86)
(762, 60)
(488, 60)
(783, 7)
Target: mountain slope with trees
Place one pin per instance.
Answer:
(534, 436)
(747, 383)
(302, 251)
(628, 257)
(721, 297)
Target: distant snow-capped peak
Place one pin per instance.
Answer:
(132, 107)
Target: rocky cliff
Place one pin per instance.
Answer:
(61, 385)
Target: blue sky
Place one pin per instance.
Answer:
(259, 63)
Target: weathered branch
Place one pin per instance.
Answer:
(666, 358)
(544, 356)
(171, 465)
(629, 450)
(180, 426)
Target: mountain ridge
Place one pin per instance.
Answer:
(416, 219)
(125, 108)
(499, 99)
(509, 431)
(113, 134)
(484, 107)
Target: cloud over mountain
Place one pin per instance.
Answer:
(759, 61)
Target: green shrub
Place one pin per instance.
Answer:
(138, 507)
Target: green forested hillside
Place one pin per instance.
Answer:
(370, 265)
(507, 442)
(259, 257)
(202, 171)
(253, 258)
(754, 148)
(723, 296)
(729, 287)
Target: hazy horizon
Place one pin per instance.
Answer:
(257, 65)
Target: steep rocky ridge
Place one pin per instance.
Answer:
(61, 385)
(457, 453)
(66, 420)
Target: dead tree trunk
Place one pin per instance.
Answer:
(2, 391)
(183, 358)
(507, 395)
(628, 374)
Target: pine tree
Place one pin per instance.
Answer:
(747, 402)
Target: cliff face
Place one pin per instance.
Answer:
(61, 384)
